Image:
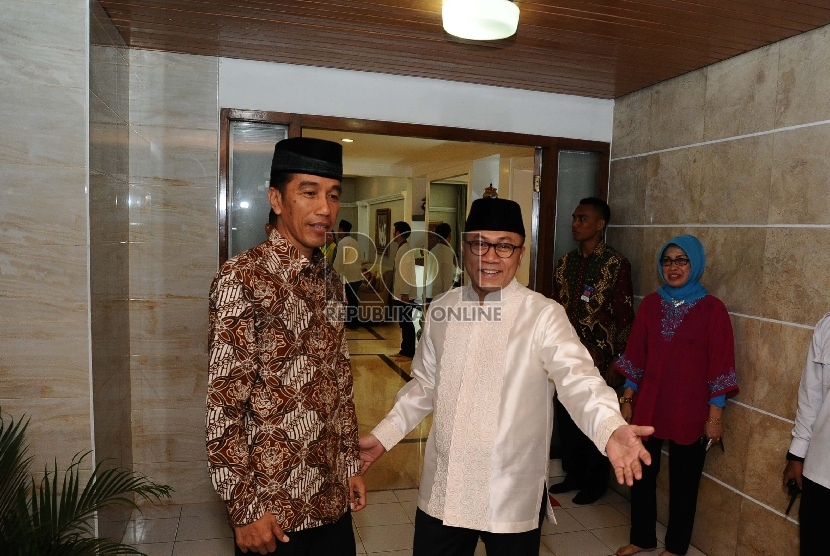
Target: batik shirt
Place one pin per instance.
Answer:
(596, 292)
(281, 427)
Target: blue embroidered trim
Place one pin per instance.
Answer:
(723, 382)
(628, 367)
(673, 316)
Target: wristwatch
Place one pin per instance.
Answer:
(623, 400)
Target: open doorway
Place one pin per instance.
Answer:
(424, 176)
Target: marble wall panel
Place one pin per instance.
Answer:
(673, 186)
(110, 271)
(168, 435)
(734, 263)
(677, 110)
(108, 148)
(730, 465)
(769, 441)
(168, 327)
(174, 156)
(36, 198)
(173, 61)
(190, 479)
(763, 533)
(177, 381)
(40, 137)
(44, 46)
(716, 527)
(103, 73)
(796, 280)
(58, 428)
(735, 185)
(782, 351)
(799, 193)
(803, 79)
(174, 214)
(48, 274)
(161, 270)
(627, 190)
(109, 210)
(746, 331)
(101, 19)
(632, 132)
(740, 94)
(629, 242)
(174, 97)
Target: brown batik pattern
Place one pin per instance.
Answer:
(281, 427)
(604, 322)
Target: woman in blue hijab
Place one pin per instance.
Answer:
(680, 368)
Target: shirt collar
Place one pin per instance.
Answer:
(291, 257)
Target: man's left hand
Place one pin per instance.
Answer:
(625, 451)
(357, 493)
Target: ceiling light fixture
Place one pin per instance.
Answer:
(347, 140)
(480, 20)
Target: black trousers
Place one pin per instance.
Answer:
(580, 458)
(332, 539)
(403, 314)
(352, 304)
(433, 538)
(814, 516)
(685, 469)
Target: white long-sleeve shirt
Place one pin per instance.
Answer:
(445, 271)
(488, 373)
(405, 273)
(811, 434)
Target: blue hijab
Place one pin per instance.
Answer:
(692, 290)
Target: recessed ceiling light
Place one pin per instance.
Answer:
(347, 140)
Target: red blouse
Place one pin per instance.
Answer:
(680, 358)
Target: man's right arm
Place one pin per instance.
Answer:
(413, 403)
(233, 369)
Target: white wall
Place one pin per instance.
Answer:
(276, 87)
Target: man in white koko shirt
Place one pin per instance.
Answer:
(490, 358)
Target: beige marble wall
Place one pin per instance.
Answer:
(109, 226)
(736, 153)
(44, 347)
(173, 255)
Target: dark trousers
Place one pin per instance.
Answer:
(814, 516)
(332, 539)
(685, 469)
(403, 314)
(352, 304)
(580, 458)
(433, 538)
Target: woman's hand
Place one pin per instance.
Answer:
(714, 431)
(627, 411)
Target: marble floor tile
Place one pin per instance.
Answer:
(156, 549)
(382, 497)
(613, 537)
(203, 527)
(384, 538)
(596, 516)
(407, 495)
(147, 531)
(565, 523)
(211, 547)
(380, 514)
(583, 543)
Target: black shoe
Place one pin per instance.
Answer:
(567, 485)
(587, 497)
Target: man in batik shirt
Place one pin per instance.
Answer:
(593, 284)
(281, 426)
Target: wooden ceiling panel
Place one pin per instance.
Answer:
(596, 48)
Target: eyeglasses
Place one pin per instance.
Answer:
(481, 248)
(679, 261)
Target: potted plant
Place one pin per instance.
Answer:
(55, 518)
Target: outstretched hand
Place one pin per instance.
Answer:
(625, 451)
(370, 450)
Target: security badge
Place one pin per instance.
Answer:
(587, 292)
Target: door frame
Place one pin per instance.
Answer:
(545, 175)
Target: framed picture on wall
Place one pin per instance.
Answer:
(383, 228)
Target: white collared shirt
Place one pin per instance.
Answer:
(811, 434)
(347, 260)
(488, 373)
